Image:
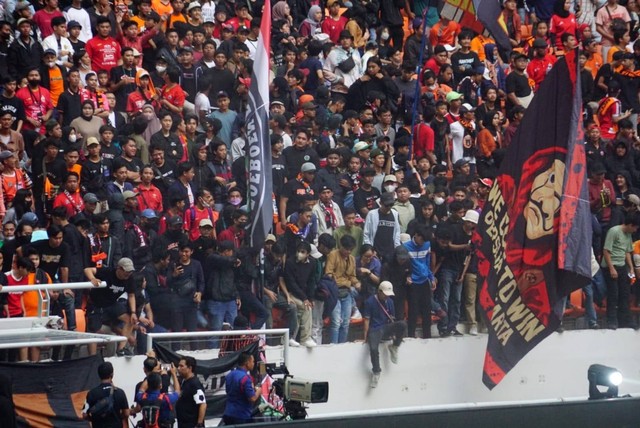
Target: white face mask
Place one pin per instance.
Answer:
(438, 200)
(235, 201)
(72, 138)
(301, 256)
(390, 188)
(51, 64)
(384, 35)
(161, 68)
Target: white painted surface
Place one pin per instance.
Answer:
(448, 371)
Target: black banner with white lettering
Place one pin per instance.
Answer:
(534, 237)
(210, 372)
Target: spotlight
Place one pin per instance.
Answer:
(608, 377)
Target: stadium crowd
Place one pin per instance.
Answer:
(123, 158)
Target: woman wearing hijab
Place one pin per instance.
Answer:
(281, 11)
(488, 141)
(562, 21)
(310, 25)
(153, 123)
(87, 124)
(144, 94)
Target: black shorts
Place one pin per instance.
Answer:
(97, 317)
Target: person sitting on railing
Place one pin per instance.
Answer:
(105, 305)
(230, 344)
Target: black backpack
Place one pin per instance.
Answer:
(150, 411)
(104, 408)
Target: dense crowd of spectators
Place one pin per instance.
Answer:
(123, 156)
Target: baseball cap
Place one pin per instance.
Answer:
(486, 182)
(23, 20)
(270, 238)
(307, 167)
(390, 177)
(128, 194)
(466, 108)
(276, 102)
(90, 198)
(29, 218)
(472, 216)
(376, 152)
(633, 199)
(136, 52)
(149, 213)
(5, 154)
(193, 5)
(49, 52)
(361, 145)
(417, 22)
(205, 222)
(453, 95)
(73, 24)
(21, 5)
(126, 264)
(185, 49)
(176, 220)
(246, 81)
(387, 288)
(460, 162)
(222, 94)
(92, 141)
(309, 106)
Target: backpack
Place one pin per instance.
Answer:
(151, 412)
(104, 408)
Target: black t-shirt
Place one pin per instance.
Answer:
(122, 94)
(70, 106)
(133, 165)
(172, 146)
(105, 297)
(518, 84)
(468, 61)
(13, 105)
(191, 396)
(56, 172)
(109, 153)
(188, 82)
(278, 175)
(294, 158)
(365, 199)
(296, 192)
(52, 259)
(383, 241)
(119, 400)
(78, 252)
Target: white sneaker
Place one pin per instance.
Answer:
(309, 343)
(356, 315)
(473, 330)
(393, 353)
(293, 343)
(375, 377)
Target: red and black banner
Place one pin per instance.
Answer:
(534, 236)
(52, 394)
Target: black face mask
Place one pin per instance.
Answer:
(34, 83)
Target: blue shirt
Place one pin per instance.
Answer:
(374, 312)
(420, 262)
(165, 410)
(239, 387)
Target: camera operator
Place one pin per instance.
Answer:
(241, 394)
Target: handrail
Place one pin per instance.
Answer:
(46, 287)
(178, 335)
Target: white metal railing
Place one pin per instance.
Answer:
(43, 298)
(192, 334)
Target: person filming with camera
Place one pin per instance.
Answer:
(241, 394)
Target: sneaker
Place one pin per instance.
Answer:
(560, 328)
(356, 315)
(293, 343)
(445, 333)
(393, 353)
(375, 377)
(473, 330)
(124, 352)
(455, 332)
(594, 326)
(309, 343)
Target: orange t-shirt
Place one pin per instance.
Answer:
(31, 300)
(446, 35)
(56, 84)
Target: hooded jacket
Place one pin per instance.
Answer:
(220, 278)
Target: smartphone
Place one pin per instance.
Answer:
(166, 367)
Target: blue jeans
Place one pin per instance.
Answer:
(69, 305)
(589, 309)
(220, 312)
(340, 317)
(449, 296)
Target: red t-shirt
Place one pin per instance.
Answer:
(608, 127)
(559, 26)
(135, 102)
(14, 299)
(36, 104)
(192, 219)
(423, 140)
(104, 53)
(73, 203)
(42, 19)
(174, 95)
(539, 67)
(332, 28)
